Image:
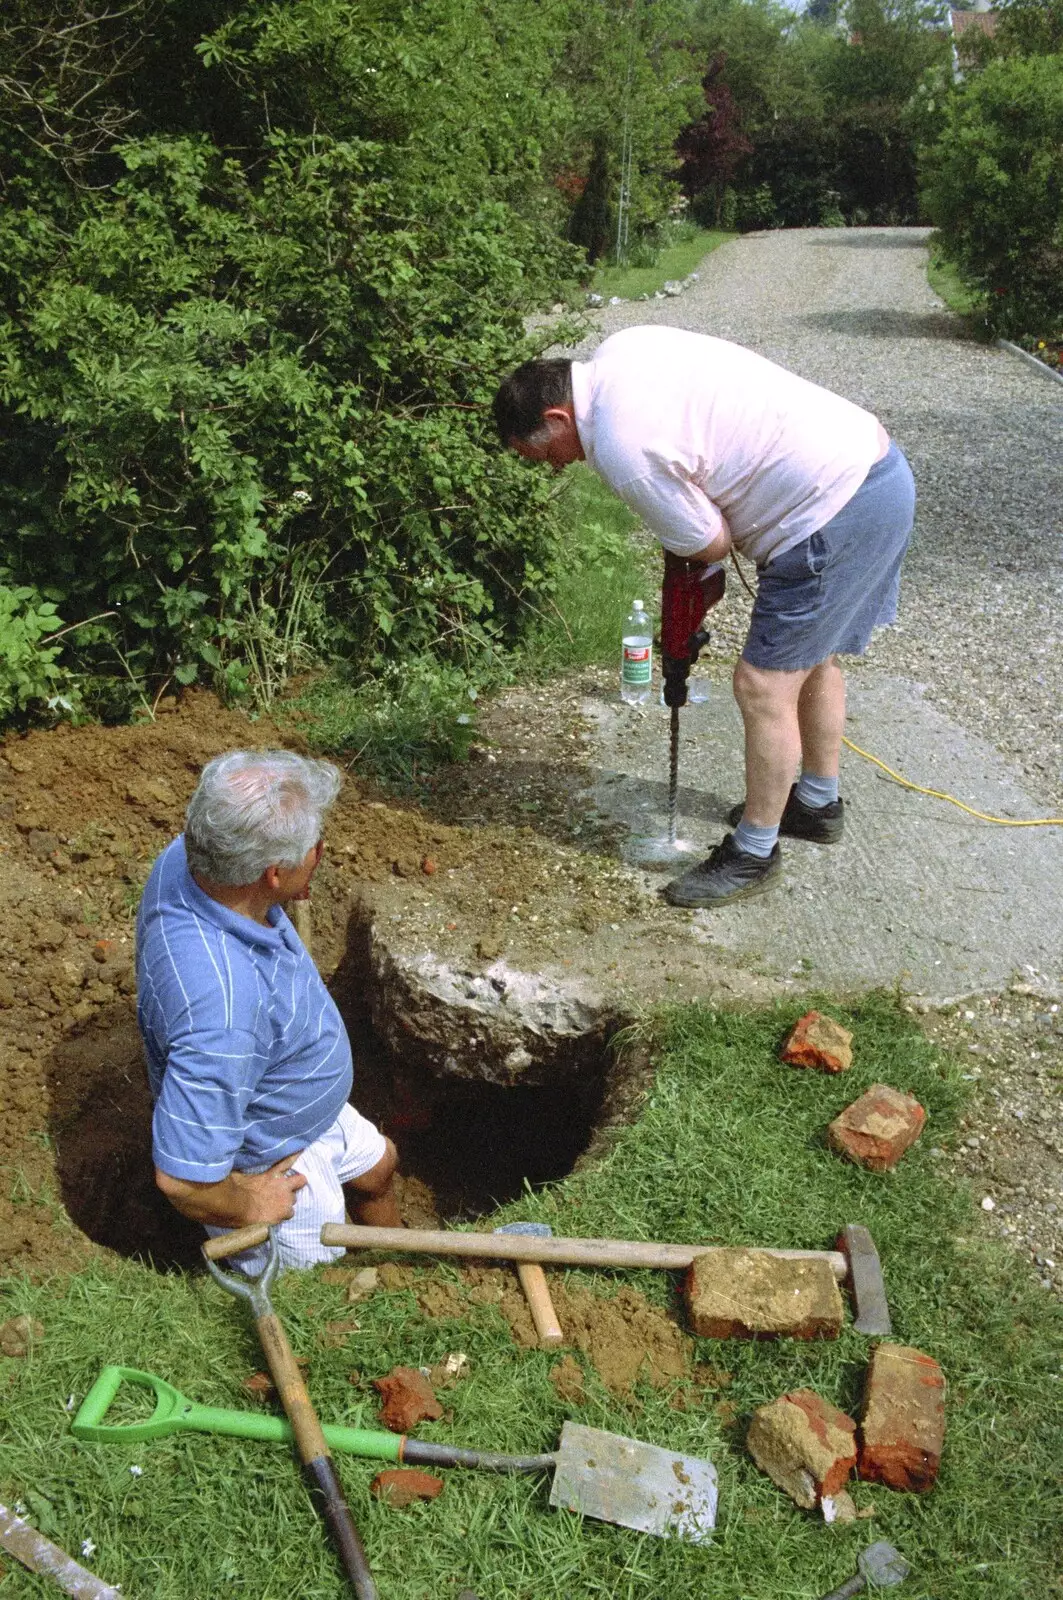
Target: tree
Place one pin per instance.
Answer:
(712, 149)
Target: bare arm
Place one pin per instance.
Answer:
(718, 549)
(240, 1198)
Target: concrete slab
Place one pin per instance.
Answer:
(918, 893)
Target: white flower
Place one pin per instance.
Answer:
(136, 1472)
(87, 1547)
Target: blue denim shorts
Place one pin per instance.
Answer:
(827, 594)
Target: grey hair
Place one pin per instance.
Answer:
(254, 809)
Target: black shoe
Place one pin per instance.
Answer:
(820, 824)
(728, 874)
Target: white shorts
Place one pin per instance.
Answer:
(351, 1147)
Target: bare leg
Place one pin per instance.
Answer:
(821, 718)
(372, 1196)
(769, 702)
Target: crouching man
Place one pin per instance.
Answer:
(248, 1058)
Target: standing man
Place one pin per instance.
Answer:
(716, 448)
(248, 1058)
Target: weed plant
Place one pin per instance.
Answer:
(729, 1147)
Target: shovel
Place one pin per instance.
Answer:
(598, 1474)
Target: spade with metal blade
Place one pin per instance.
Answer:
(598, 1474)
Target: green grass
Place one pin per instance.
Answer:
(674, 261)
(730, 1147)
(602, 570)
(946, 280)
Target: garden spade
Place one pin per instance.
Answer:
(597, 1474)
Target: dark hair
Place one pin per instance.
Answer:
(527, 393)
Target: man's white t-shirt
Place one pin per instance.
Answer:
(683, 427)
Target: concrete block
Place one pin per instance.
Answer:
(751, 1294)
(902, 1429)
(877, 1129)
(804, 1444)
(818, 1041)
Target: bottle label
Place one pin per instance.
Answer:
(637, 664)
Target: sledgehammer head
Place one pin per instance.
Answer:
(866, 1283)
(880, 1564)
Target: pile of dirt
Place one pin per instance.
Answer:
(625, 1338)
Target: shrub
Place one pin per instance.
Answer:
(992, 186)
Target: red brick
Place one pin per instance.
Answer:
(804, 1444)
(902, 1429)
(401, 1486)
(752, 1294)
(407, 1398)
(817, 1041)
(877, 1129)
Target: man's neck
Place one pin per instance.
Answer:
(247, 899)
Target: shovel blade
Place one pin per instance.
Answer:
(635, 1485)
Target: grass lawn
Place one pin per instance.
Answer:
(729, 1147)
(674, 261)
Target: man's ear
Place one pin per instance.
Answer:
(559, 413)
(270, 879)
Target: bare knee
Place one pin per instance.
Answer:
(376, 1182)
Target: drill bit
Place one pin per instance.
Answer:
(673, 776)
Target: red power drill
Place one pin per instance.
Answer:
(690, 589)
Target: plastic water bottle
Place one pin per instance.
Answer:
(636, 661)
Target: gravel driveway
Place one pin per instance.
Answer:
(966, 694)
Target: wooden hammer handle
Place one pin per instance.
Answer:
(552, 1251)
(537, 1293)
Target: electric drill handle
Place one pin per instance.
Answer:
(690, 590)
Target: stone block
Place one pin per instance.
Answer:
(805, 1445)
(877, 1129)
(752, 1294)
(902, 1429)
(818, 1041)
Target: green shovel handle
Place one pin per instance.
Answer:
(175, 1414)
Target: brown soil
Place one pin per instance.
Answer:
(625, 1338)
(83, 813)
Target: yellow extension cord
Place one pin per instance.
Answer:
(939, 794)
(936, 794)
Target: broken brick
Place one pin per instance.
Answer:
(817, 1041)
(902, 1430)
(877, 1129)
(753, 1294)
(402, 1486)
(804, 1444)
(407, 1399)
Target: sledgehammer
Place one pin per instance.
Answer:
(855, 1262)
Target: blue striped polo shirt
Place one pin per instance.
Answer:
(248, 1058)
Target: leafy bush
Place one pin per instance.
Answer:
(28, 669)
(992, 186)
(246, 355)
